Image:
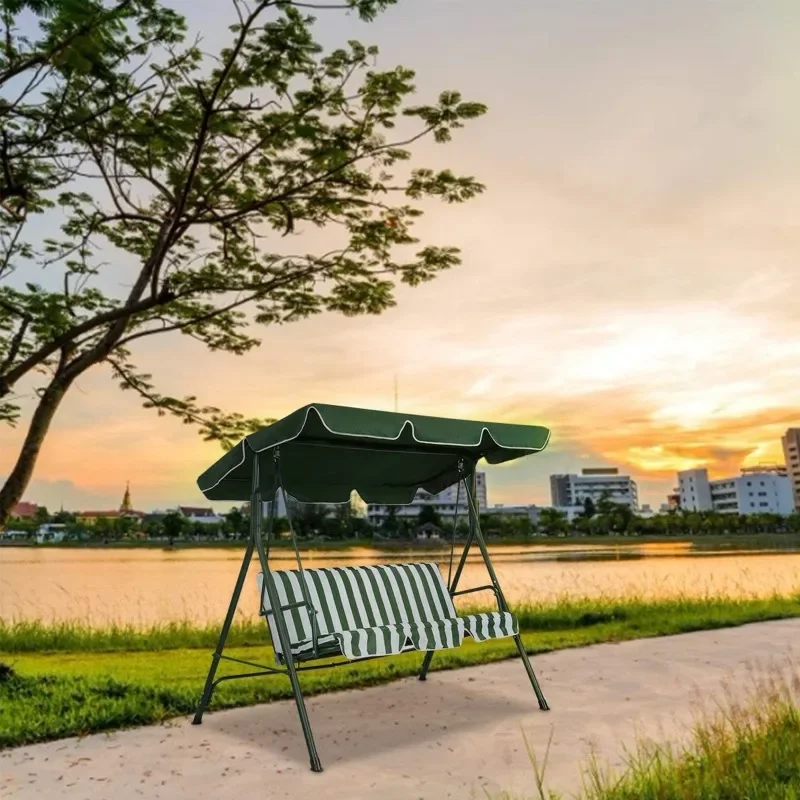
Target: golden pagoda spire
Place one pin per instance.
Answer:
(126, 500)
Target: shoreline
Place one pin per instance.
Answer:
(387, 545)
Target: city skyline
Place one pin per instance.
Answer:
(629, 277)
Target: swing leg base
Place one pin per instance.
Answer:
(316, 767)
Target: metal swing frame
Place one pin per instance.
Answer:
(291, 669)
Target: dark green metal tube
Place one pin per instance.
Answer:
(280, 621)
(426, 662)
(226, 626)
(502, 602)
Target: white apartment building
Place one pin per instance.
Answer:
(755, 491)
(791, 452)
(444, 503)
(595, 483)
(694, 490)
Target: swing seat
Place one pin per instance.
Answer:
(368, 611)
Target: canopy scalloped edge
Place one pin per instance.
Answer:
(407, 424)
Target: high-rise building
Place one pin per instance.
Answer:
(594, 483)
(791, 451)
(755, 491)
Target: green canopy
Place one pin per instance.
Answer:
(327, 451)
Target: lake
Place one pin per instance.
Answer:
(146, 585)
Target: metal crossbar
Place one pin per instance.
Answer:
(253, 664)
(298, 604)
(488, 588)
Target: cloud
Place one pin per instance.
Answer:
(629, 279)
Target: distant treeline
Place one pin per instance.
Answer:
(318, 522)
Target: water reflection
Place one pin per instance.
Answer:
(142, 586)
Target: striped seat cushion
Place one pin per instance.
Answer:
(375, 610)
(494, 625)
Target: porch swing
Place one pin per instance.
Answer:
(319, 454)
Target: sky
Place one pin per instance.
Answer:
(629, 277)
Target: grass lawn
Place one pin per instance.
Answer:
(70, 679)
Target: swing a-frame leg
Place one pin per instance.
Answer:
(226, 626)
(278, 618)
(475, 534)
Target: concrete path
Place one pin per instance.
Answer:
(458, 735)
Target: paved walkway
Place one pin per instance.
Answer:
(458, 735)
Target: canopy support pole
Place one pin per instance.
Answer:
(226, 626)
(426, 662)
(278, 618)
(501, 600)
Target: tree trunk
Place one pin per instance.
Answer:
(17, 481)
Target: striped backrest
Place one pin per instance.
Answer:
(347, 598)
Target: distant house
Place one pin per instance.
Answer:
(14, 536)
(24, 510)
(205, 516)
(51, 532)
(93, 516)
(429, 532)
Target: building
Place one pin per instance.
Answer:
(429, 532)
(570, 512)
(673, 500)
(205, 516)
(443, 503)
(791, 452)
(752, 492)
(24, 510)
(14, 536)
(694, 490)
(774, 469)
(595, 483)
(125, 510)
(51, 532)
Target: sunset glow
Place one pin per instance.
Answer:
(630, 277)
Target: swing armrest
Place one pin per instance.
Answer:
(312, 612)
(290, 606)
(489, 588)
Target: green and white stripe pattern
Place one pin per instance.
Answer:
(376, 610)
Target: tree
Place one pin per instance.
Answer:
(124, 526)
(309, 520)
(154, 527)
(428, 513)
(390, 524)
(178, 167)
(174, 525)
(237, 523)
(552, 522)
(588, 508)
(102, 528)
